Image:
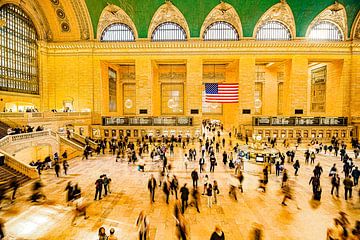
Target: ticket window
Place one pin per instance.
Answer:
(313, 134)
(173, 133)
(165, 133)
(180, 133)
(283, 134)
(248, 133)
(143, 132)
(260, 132)
(106, 133)
(158, 133)
(113, 133)
(328, 134)
(336, 133)
(150, 133)
(267, 133)
(81, 131)
(136, 133)
(298, 133)
(343, 134)
(306, 133)
(320, 134)
(275, 134)
(188, 134)
(121, 133)
(290, 134)
(128, 133)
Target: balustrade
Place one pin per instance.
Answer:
(19, 166)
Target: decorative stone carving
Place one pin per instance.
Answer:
(83, 18)
(60, 13)
(223, 12)
(114, 14)
(280, 12)
(168, 13)
(356, 27)
(336, 14)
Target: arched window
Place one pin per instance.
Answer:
(273, 31)
(118, 32)
(327, 31)
(221, 31)
(18, 52)
(168, 31)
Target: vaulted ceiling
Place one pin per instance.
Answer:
(195, 12)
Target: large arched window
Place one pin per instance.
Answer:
(273, 31)
(118, 32)
(19, 56)
(221, 31)
(326, 31)
(168, 31)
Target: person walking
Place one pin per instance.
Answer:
(212, 162)
(218, 234)
(195, 178)
(209, 191)
(318, 170)
(335, 183)
(143, 225)
(312, 158)
(70, 189)
(201, 164)
(277, 168)
(355, 174)
(184, 197)
(348, 185)
(186, 162)
(284, 178)
(296, 167)
(14, 184)
(106, 185)
(196, 197)
(152, 187)
(216, 191)
(315, 181)
(98, 187)
(225, 156)
(166, 190)
(57, 170)
(174, 185)
(65, 166)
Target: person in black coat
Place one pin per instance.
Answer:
(57, 169)
(98, 186)
(218, 234)
(184, 197)
(195, 178)
(152, 187)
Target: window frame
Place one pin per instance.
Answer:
(179, 28)
(227, 24)
(108, 28)
(329, 23)
(272, 38)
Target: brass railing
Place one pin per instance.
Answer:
(81, 138)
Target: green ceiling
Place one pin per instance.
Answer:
(195, 12)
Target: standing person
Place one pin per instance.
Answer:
(112, 234)
(70, 190)
(195, 178)
(209, 191)
(102, 234)
(312, 158)
(355, 174)
(277, 168)
(186, 162)
(216, 191)
(174, 185)
(64, 155)
(106, 184)
(57, 169)
(65, 166)
(296, 167)
(212, 162)
(318, 170)
(218, 234)
(315, 181)
(98, 186)
(348, 185)
(152, 187)
(225, 156)
(143, 225)
(184, 197)
(205, 182)
(201, 164)
(14, 185)
(335, 182)
(284, 178)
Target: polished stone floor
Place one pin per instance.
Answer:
(52, 219)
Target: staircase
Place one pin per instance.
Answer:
(7, 174)
(3, 129)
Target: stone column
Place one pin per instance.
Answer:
(144, 85)
(193, 89)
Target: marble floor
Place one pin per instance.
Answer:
(52, 219)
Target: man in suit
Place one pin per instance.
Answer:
(98, 186)
(152, 187)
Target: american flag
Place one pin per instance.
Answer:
(222, 93)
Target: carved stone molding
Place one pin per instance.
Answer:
(114, 14)
(168, 13)
(83, 18)
(338, 17)
(355, 32)
(37, 15)
(222, 12)
(61, 16)
(280, 12)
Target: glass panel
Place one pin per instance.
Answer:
(318, 89)
(221, 31)
(273, 30)
(326, 31)
(18, 62)
(112, 91)
(169, 31)
(118, 32)
(172, 98)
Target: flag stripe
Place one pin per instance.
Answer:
(222, 93)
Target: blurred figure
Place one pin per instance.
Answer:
(112, 234)
(37, 192)
(14, 184)
(80, 209)
(143, 226)
(2, 232)
(256, 232)
(218, 234)
(182, 231)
